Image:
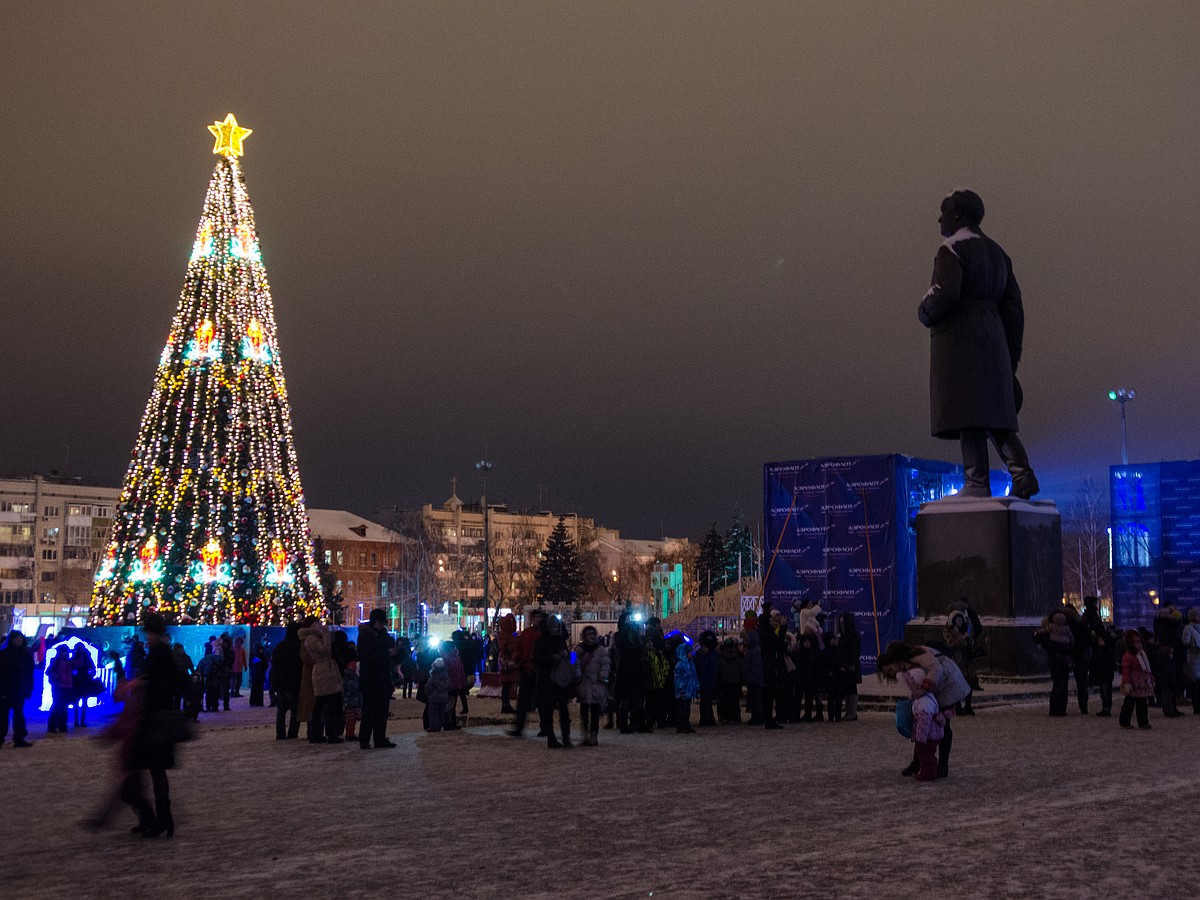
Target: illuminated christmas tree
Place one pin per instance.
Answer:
(211, 526)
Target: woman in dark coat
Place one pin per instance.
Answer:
(774, 672)
(260, 660)
(83, 672)
(629, 682)
(1056, 638)
(850, 647)
(754, 668)
(548, 650)
(16, 686)
(154, 743)
(976, 324)
(146, 733)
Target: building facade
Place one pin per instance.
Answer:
(515, 541)
(53, 531)
(361, 558)
(1155, 547)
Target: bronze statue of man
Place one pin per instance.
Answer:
(976, 323)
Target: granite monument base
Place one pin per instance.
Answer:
(1005, 556)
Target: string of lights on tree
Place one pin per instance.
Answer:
(211, 526)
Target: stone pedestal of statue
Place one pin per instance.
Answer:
(1005, 556)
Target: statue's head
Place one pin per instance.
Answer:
(962, 208)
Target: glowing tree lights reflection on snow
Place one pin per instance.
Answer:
(212, 525)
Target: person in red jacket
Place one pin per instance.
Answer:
(528, 673)
(1137, 684)
(510, 669)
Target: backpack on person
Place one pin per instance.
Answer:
(660, 670)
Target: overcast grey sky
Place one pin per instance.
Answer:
(629, 250)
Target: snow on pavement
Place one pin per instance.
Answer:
(1034, 807)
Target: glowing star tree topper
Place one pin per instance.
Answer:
(229, 135)
(211, 526)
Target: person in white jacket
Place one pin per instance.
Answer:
(594, 667)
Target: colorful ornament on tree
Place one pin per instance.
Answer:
(204, 345)
(148, 567)
(254, 344)
(204, 243)
(108, 568)
(209, 568)
(243, 246)
(278, 570)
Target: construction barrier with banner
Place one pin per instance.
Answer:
(839, 530)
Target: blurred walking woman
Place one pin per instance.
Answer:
(146, 733)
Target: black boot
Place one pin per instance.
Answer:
(146, 820)
(943, 766)
(163, 821)
(566, 739)
(912, 768)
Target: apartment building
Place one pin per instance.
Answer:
(53, 530)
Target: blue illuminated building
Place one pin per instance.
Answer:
(1155, 524)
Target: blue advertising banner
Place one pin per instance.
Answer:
(838, 530)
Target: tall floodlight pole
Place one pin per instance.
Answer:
(1123, 396)
(484, 467)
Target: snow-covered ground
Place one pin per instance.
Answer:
(1034, 807)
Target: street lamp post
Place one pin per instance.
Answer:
(484, 467)
(1123, 396)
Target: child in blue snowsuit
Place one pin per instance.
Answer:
(687, 688)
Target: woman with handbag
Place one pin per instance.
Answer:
(942, 678)
(555, 680)
(325, 718)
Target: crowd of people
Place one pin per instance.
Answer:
(641, 679)
(1159, 666)
(798, 667)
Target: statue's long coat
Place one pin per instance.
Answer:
(976, 324)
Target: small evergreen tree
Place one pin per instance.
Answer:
(710, 566)
(739, 545)
(560, 573)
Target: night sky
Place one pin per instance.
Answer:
(629, 251)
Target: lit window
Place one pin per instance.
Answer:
(1133, 545)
